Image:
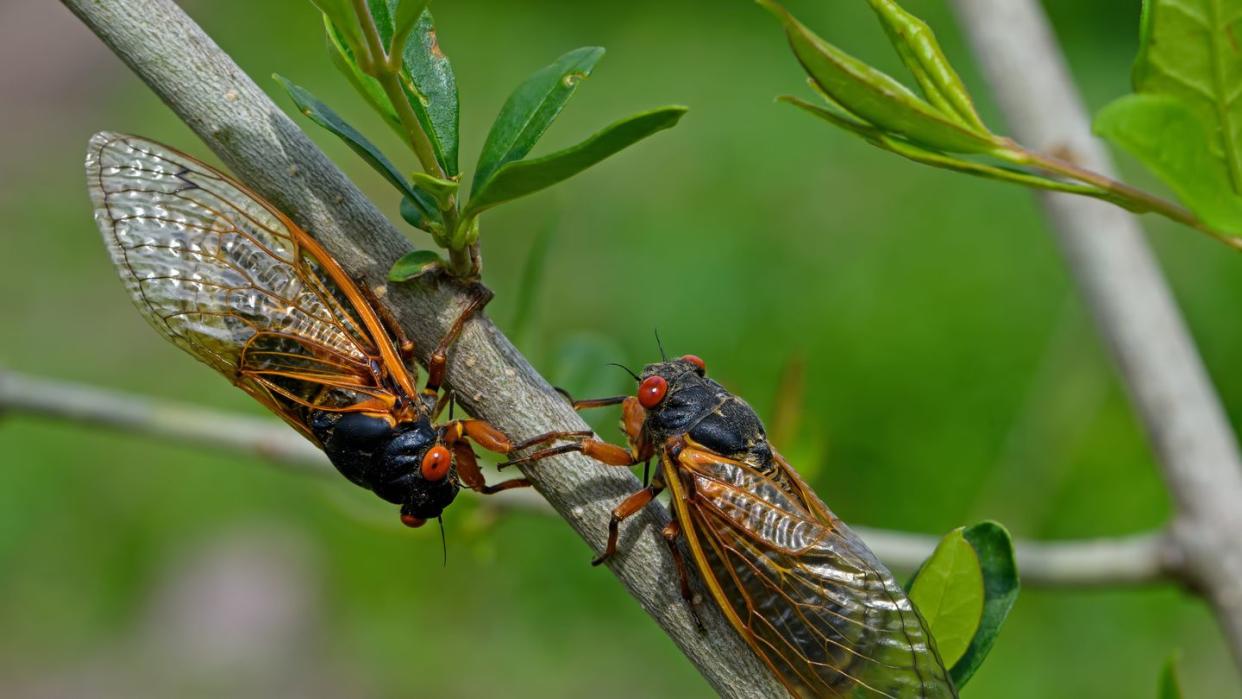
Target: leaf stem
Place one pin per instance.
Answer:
(377, 65)
(380, 64)
(1112, 190)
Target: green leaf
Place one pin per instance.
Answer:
(874, 96)
(905, 149)
(404, 17)
(1188, 50)
(1170, 685)
(441, 190)
(321, 114)
(948, 592)
(531, 109)
(341, 14)
(418, 214)
(429, 83)
(520, 178)
(1169, 137)
(413, 264)
(382, 17)
(344, 59)
(994, 549)
(917, 46)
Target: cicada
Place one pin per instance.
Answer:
(230, 279)
(812, 601)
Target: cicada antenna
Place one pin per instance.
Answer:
(663, 356)
(443, 541)
(627, 370)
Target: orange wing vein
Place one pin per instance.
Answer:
(232, 281)
(807, 594)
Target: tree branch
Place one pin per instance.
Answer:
(1131, 303)
(492, 380)
(1133, 560)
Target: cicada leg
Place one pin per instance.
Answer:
(628, 507)
(591, 402)
(403, 343)
(458, 434)
(671, 533)
(583, 442)
(438, 361)
(472, 477)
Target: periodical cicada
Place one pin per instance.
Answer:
(230, 279)
(805, 593)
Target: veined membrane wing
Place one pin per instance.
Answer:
(234, 282)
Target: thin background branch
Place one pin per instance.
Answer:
(1131, 560)
(491, 379)
(1131, 303)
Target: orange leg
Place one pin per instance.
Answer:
(472, 477)
(632, 417)
(436, 364)
(481, 432)
(603, 452)
(627, 508)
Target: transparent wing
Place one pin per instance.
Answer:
(232, 281)
(815, 603)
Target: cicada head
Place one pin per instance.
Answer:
(420, 473)
(675, 393)
(405, 463)
(680, 401)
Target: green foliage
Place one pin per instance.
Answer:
(1168, 136)
(517, 179)
(919, 50)
(321, 114)
(878, 99)
(948, 592)
(965, 591)
(992, 544)
(942, 125)
(531, 109)
(1184, 121)
(412, 264)
(1170, 686)
(391, 54)
(430, 84)
(1188, 50)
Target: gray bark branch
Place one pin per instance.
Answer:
(1133, 560)
(492, 380)
(1131, 303)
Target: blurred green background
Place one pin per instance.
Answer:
(951, 373)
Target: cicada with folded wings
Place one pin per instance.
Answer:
(233, 281)
(802, 589)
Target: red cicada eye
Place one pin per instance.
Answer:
(412, 522)
(436, 463)
(695, 360)
(651, 391)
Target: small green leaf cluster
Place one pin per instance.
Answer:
(965, 591)
(390, 53)
(1184, 120)
(1185, 127)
